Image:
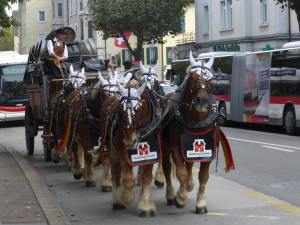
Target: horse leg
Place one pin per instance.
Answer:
(201, 207)
(166, 165)
(125, 193)
(146, 206)
(116, 178)
(105, 183)
(182, 176)
(55, 155)
(159, 176)
(190, 182)
(76, 165)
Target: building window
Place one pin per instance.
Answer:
(152, 55)
(206, 20)
(42, 16)
(90, 29)
(263, 12)
(226, 13)
(181, 24)
(82, 30)
(81, 5)
(60, 9)
(126, 55)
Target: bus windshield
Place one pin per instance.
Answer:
(11, 85)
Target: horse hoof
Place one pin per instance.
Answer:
(159, 184)
(171, 201)
(178, 205)
(106, 189)
(55, 161)
(118, 206)
(150, 213)
(90, 183)
(77, 176)
(201, 210)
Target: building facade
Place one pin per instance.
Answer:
(35, 18)
(243, 25)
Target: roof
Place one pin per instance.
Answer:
(10, 57)
(293, 44)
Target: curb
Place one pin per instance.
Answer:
(53, 212)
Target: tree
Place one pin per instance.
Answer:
(293, 4)
(7, 40)
(148, 20)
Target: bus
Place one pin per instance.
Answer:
(254, 87)
(13, 98)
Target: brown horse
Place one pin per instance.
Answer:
(192, 111)
(127, 116)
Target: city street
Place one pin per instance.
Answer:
(264, 188)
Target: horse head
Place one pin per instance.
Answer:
(77, 78)
(197, 91)
(133, 113)
(150, 76)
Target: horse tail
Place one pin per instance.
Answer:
(227, 152)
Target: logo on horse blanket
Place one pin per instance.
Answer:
(143, 153)
(147, 152)
(199, 150)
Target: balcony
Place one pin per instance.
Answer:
(186, 38)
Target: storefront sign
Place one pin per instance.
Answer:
(227, 48)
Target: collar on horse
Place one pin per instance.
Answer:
(212, 118)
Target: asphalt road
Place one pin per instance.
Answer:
(267, 169)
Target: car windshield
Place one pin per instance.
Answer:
(11, 85)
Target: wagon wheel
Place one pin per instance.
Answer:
(47, 142)
(29, 130)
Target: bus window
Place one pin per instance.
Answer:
(222, 76)
(285, 73)
(12, 81)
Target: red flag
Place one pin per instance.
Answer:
(119, 41)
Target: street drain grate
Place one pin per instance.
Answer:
(286, 185)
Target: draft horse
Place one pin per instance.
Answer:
(192, 121)
(131, 118)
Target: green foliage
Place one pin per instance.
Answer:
(148, 20)
(5, 20)
(7, 40)
(293, 4)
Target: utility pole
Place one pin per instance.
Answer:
(162, 61)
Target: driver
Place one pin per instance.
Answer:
(57, 53)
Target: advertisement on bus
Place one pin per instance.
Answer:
(257, 88)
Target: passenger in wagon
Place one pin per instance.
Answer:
(57, 53)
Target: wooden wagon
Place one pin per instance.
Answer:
(39, 87)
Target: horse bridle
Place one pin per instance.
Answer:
(130, 107)
(214, 115)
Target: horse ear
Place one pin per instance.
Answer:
(192, 59)
(141, 89)
(123, 91)
(72, 69)
(210, 63)
(143, 68)
(100, 77)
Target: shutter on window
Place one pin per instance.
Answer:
(143, 56)
(123, 56)
(148, 56)
(156, 55)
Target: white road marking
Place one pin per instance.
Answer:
(262, 143)
(278, 149)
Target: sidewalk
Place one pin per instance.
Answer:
(18, 204)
